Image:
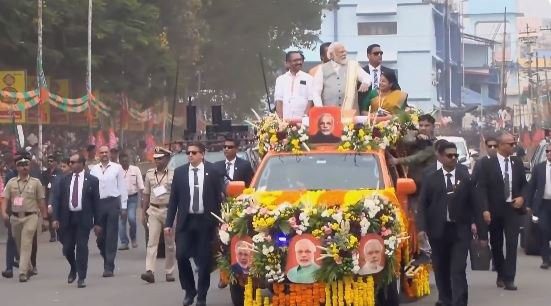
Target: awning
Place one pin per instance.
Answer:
(471, 97)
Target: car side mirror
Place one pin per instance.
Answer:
(405, 186)
(235, 189)
(462, 159)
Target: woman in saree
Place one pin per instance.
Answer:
(387, 100)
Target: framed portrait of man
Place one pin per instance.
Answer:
(241, 254)
(372, 254)
(301, 259)
(325, 125)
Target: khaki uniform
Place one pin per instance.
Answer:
(24, 197)
(157, 187)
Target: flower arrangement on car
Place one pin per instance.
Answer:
(276, 134)
(336, 244)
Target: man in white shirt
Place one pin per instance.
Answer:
(293, 90)
(113, 201)
(135, 187)
(335, 84)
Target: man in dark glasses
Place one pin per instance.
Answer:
(233, 167)
(540, 202)
(446, 209)
(196, 194)
(48, 178)
(502, 184)
(374, 68)
(491, 150)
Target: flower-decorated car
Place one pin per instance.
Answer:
(322, 224)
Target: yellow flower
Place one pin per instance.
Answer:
(361, 133)
(347, 145)
(295, 143)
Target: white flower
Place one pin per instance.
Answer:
(258, 238)
(337, 217)
(224, 237)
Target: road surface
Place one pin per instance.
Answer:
(49, 287)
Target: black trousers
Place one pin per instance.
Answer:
(108, 214)
(195, 241)
(76, 236)
(449, 262)
(505, 226)
(388, 295)
(544, 223)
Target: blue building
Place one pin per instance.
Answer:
(412, 34)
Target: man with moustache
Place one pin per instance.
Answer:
(335, 83)
(293, 90)
(501, 183)
(195, 195)
(75, 213)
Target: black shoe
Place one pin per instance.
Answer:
(71, 278)
(201, 303)
(188, 300)
(169, 278)
(500, 283)
(544, 266)
(510, 286)
(81, 283)
(7, 274)
(33, 272)
(148, 276)
(23, 278)
(108, 274)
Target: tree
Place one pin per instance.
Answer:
(239, 30)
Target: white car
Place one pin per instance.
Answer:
(462, 149)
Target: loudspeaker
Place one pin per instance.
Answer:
(216, 114)
(191, 118)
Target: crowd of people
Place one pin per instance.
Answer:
(80, 193)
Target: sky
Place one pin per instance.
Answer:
(535, 8)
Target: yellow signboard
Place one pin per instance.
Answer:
(12, 81)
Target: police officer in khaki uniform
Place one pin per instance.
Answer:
(25, 196)
(155, 202)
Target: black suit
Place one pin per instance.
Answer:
(48, 180)
(75, 226)
(506, 220)
(541, 207)
(446, 218)
(242, 170)
(195, 232)
(362, 95)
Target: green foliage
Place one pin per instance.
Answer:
(221, 39)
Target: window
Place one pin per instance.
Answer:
(321, 171)
(377, 28)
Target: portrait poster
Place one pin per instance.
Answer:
(372, 254)
(325, 125)
(241, 254)
(303, 259)
(11, 81)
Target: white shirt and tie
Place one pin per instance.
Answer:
(451, 175)
(375, 75)
(201, 178)
(80, 185)
(547, 190)
(230, 168)
(502, 166)
(111, 182)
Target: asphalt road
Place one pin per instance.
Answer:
(49, 287)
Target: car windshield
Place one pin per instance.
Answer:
(461, 148)
(320, 171)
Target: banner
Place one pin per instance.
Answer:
(12, 81)
(61, 88)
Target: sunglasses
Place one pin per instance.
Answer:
(229, 147)
(547, 151)
(192, 152)
(492, 146)
(452, 155)
(377, 53)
